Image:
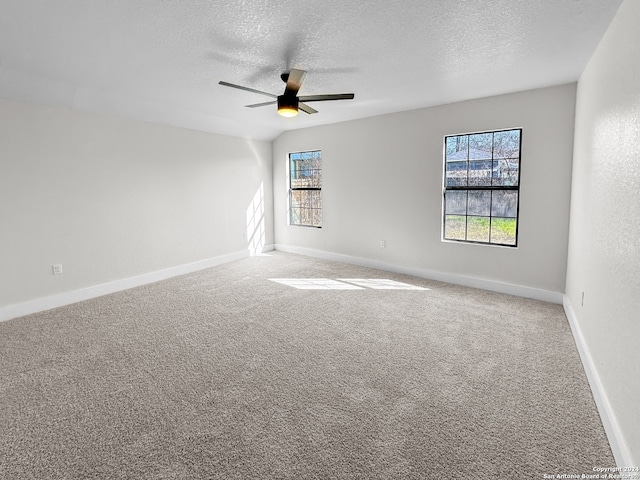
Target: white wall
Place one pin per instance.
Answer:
(383, 176)
(604, 246)
(111, 198)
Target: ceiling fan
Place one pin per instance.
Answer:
(289, 102)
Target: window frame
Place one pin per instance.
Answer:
(292, 189)
(491, 188)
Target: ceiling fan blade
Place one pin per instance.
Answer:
(294, 82)
(227, 84)
(261, 104)
(322, 98)
(306, 108)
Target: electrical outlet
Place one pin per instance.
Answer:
(57, 269)
(383, 244)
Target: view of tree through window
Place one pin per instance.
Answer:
(305, 189)
(482, 181)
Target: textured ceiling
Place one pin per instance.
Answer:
(161, 60)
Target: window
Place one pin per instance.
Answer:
(305, 189)
(482, 187)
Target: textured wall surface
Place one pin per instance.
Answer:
(111, 198)
(604, 248)
(383, 177)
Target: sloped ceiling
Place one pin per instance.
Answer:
(161, 60)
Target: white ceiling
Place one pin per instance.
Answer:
(161, 60)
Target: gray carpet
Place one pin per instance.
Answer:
(227, 374)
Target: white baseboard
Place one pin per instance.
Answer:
(46, 303)
(518, 290)
(609, 421)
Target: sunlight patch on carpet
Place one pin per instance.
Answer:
(345, 284)
(381, 284)
(315, 284)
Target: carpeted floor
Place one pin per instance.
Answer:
(228, 374)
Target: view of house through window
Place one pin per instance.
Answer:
(305, 188)
(481, 187)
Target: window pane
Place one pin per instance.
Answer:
(456, 174)
(456, 147)
(480, 146)
(298, 198)
(294, 216)
(454, 227)
(504, 204)
(317, 217)
(479, 202)
(478, 229)
(503, 230)
(505, 172)
(480, 173)
(506, 144)
(456, 202)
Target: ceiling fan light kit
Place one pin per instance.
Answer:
(289, 103)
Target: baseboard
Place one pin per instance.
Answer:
(46, 303)
(609, 421)
(518, 290)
